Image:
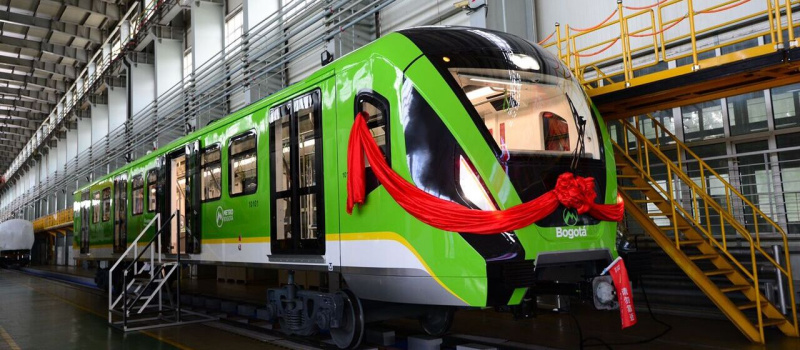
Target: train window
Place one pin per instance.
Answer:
(378, 110)
(243, 165)
(137, 192)
(96, 208)
(152, 181)
(514, 106)
(556, 132)
(212, 173)
(106, 204)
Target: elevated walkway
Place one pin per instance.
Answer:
(644, 59)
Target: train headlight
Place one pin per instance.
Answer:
(471, 186)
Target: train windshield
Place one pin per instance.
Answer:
(527, 112)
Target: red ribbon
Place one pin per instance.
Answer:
(571, 191)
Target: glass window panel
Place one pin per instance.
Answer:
(106, 204)
(283, 213)
(747, 113)
(789, 161)
(283, 151)
(211, 172)
(306, 147)
(702, 120)
(556, 133)
(244, 179)
(96, 208)
(152, 180)
(137, 192)
(785, 103)
(308, 216)
(376, 123)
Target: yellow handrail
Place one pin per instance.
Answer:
(639, 156)
(617, 35)
(58, 219)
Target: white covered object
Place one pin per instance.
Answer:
(16, 234)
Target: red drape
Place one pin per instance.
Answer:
(571, 191)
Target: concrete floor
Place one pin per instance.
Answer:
(36, 313)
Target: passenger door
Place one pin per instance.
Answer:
(120, 213)
(193, 237)
(296, 177)
(85, 218)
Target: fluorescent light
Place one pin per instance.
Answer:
(495, 81)
(482, 92)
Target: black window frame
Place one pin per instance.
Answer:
(254, 151)
(133, 196)
(147, 189)
(210, 148)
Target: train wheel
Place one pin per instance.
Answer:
(351, 331)
(437, 321)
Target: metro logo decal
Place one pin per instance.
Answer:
(571, 232)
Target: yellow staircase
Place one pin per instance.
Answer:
(696, 229)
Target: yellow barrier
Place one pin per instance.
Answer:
(60, 219)
(615, 33)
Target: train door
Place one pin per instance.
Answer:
(176, 196)
(192, 198)
(120, 213)
(296, 181)
(85, 222)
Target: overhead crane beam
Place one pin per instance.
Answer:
(80, 55)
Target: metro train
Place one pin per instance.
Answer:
(16, 241)
(471, 117)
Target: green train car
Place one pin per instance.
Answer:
(481, 118)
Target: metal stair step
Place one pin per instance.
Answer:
(658, 214)
(750, 305)
(735, 288)
(671, 227)
(628, 176)
(774, 322)
(703, 257)
(635, 188)
(690, 242)
(718, 272)
(643, 201)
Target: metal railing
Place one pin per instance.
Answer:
(624, 45)
(252, 68)
(699, 207)
(62, 218)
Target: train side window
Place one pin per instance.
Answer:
(243, 164)
(211, 170)
(96, 208)
(378, 109)
(556, 132)
(106, 204)
(137, 194)
(152, 182)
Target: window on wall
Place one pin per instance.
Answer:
(243, 164)
(152, 182)
(785, 104)
(233, 32)
(716, 157)
(747, 113)
(652, 132)
(789, 161)
(106, 204)
(137, 192)
(556, 132)
(96, 208)
(756, 181)
(703, 120)
(212, 173)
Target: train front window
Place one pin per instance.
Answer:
(529, 113)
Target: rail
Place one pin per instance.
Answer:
(694, 202)
(608, 56)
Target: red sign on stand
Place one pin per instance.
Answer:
(619, 274)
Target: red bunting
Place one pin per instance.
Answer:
(571, 191)
(619, 274)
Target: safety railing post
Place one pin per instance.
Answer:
(790, 24)
(558, 41)
(692, 33)
(625, 68)
(779, 25)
